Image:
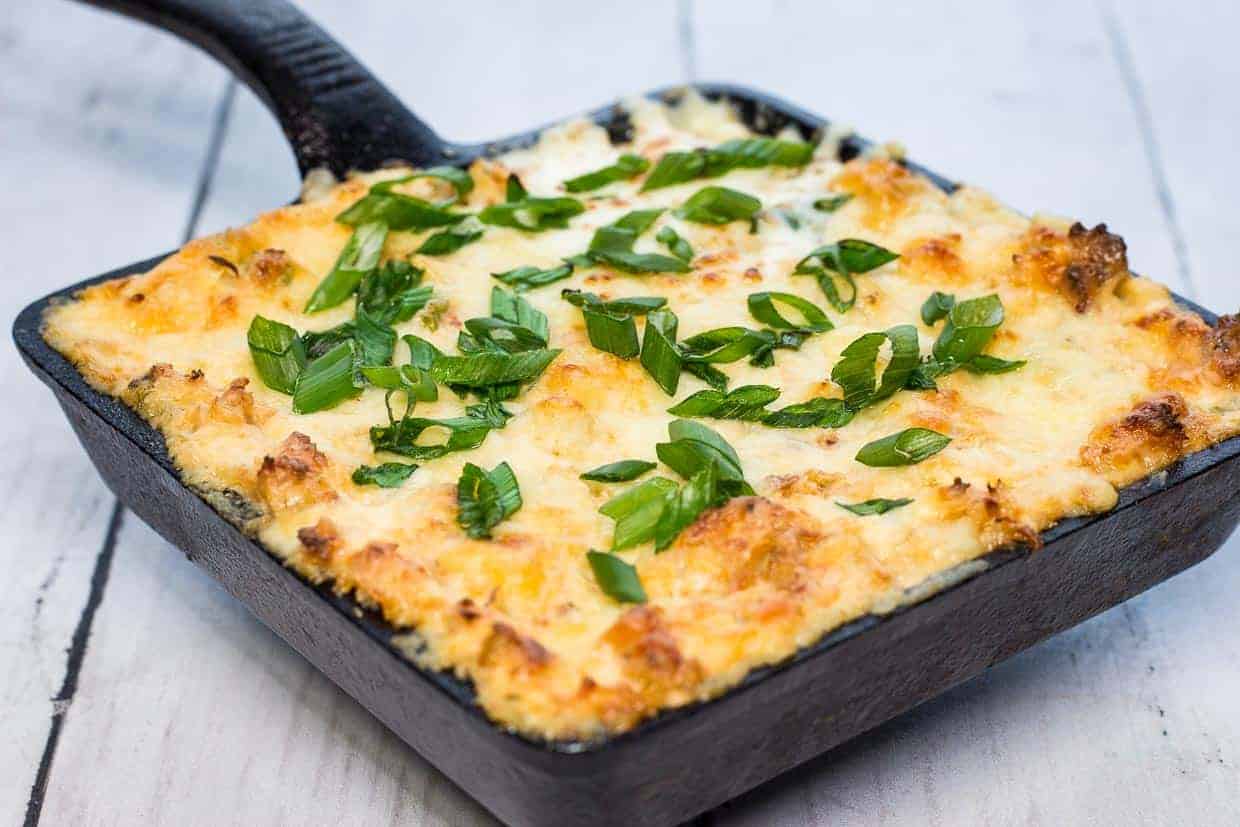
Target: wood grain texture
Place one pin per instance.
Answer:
(189, 712)
(103, 125)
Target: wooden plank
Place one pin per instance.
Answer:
(1129, 718)
(189, 711)
(1184, 74)
(103, 126)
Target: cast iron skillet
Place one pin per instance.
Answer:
(337, 115)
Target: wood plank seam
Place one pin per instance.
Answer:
(1122, 52)
(63, 699)
(687, 40)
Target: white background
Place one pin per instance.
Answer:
(116, 141)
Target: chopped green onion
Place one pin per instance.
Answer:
(679, 167)
(527, 278)
(393, 293)
(819, 412)
(622, 471)
(611, 333)
(629, 305)
(613, 245)
(486, 498)
(616, 578)
(843, 260)
(278, 353)
(855, 372)
(746, 403)
(699, 493)
(513, 308)
(937, 307)
(659, 356)
(481, 370)
(833, 202)
(459, 179)
(907, 447)
(533, 215)
(386, 475)
(626, 166)
(398, 212)
(982, 363)
(450, 240)
(678, 247)
(464, 432)
(970, 326)
(694, 446)
(328, 380)
(875, 506)
(719, 205)
(636, 511)
(375, 340)
(359, 256)
(762, 308)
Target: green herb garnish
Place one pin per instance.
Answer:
(398, 212)
(762, 307)
(450, 240)
(842, 260)
(486, 498)
(636, 511)
(907, 447)
(394, 292)
(386, 475)
(937, 307)
(328, 380)
(833, 202)
(278, 353)
(616, 578)
(676, 245)
(533, 215)
(719, 205)
(971, 324)
(527, 278)
(623, 471)
(464, 432)
(746, 403)
(358, 258)
(856, 370)
(750, 153)
(609, 324)
(875, 506)
(660, 356)
(458, 178)
(613, 245)
(626, 166)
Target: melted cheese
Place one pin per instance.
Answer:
(1119, 383)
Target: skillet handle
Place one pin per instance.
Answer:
(334, 112)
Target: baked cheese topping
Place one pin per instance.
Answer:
(1116, 383)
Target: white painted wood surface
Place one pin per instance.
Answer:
(187, 711)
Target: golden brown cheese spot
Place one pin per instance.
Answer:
(236, 404)
(1149, 437)
(936, 258)
(1225, 347)
(507, 648)
(814, 483)
(651, 659)
(883, 187)
(269, 267)
(746, 541)
(991, 510)
(490, 181)
(1077, 264)
(295, 476)
(320, 540)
